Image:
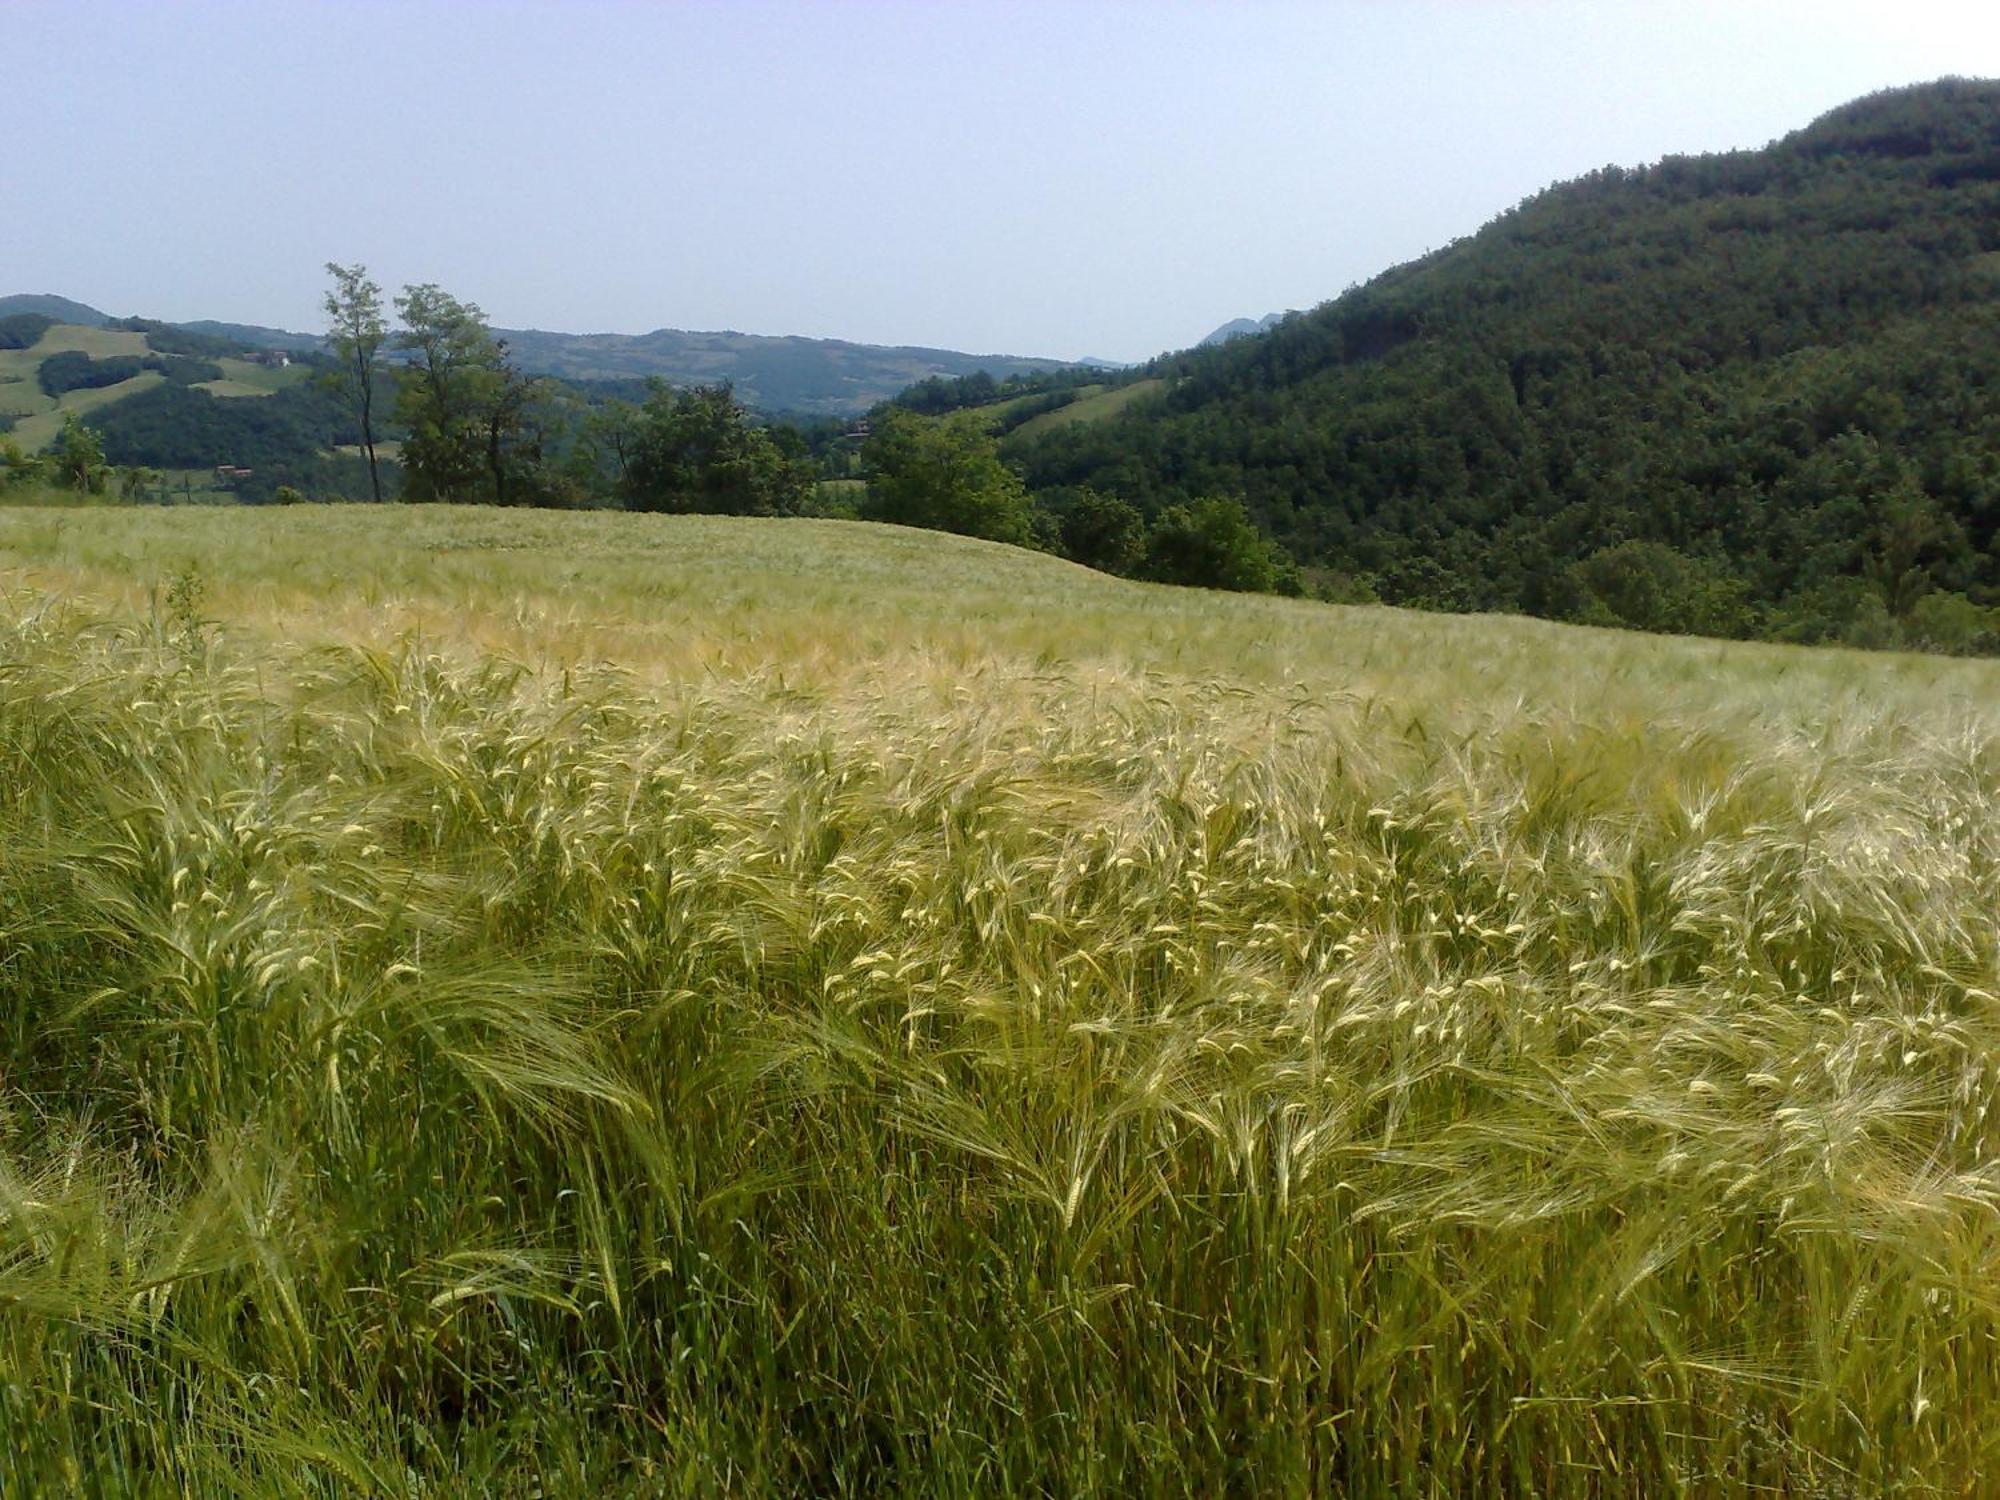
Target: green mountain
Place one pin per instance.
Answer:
(1748, 393)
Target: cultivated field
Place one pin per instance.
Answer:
(541, 1004)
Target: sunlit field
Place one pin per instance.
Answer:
(516, 1004)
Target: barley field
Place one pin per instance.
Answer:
(534, 1005)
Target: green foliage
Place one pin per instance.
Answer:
(477, 429)
(1649, 586)
(942, 394)
(1953, 624)
(180, 427)
(697, 451)
(944, 476)
(1102, 532)
(441, 399)
(72, 370)
(356, 333)
(19, 469)
(76, 459)
(23, 330)
(1783, 364)
(1212, 543)
(166, 338)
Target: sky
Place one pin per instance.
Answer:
(1095, 177)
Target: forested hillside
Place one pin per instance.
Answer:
(1753, 393)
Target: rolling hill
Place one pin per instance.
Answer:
(1749, 393)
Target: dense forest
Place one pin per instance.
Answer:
(1753, 393)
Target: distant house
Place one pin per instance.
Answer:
(859, 430)
(276, 359)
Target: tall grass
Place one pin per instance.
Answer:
(937, 1072)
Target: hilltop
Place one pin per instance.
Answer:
(55, 309)
(1749, 393)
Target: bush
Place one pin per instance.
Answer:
(1212, 543)
(1643, 585)
(1952, 623)
(1102, 532)
(77, 458)
(945, 476)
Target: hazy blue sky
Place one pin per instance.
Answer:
(1038, 178)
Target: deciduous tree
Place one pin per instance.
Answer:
(356, 330)
(945, 475)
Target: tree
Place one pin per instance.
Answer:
(1212, 543)
(599, 460)
(356, 331)
(443, 400)
(1103, 532)
(944, 475)
(78, 458)
(697, 450)
(1909, 528)
(509, 401)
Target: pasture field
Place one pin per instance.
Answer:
(535, 1004)
(1093, 404)
(243, 377)
(98, 343)
(41, 416)
(38, 431)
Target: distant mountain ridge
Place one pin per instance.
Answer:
(774, 373)
(814, 377)
(1237, 328)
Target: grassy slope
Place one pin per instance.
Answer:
(242, 377)
(42, 417)
(39, 431)
(935, 1020)
(687, 594)
(1093, 405)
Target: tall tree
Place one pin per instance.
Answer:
(356, 330)
(443, 400)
